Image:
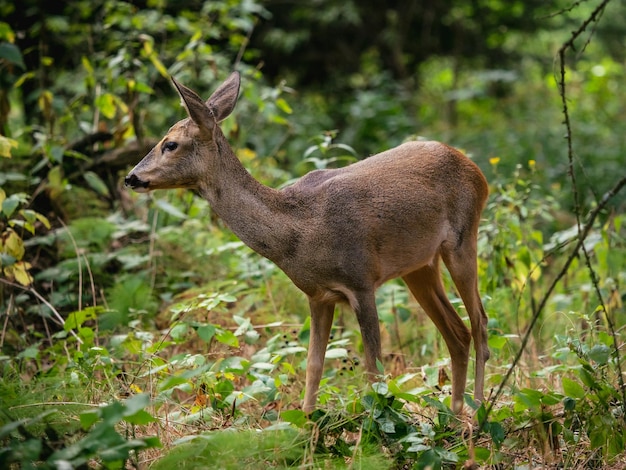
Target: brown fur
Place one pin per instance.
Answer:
(340, 233)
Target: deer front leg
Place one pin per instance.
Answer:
(321, 323)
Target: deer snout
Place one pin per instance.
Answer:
(133, 182)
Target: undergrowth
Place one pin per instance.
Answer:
(138, 332)
(221, 369)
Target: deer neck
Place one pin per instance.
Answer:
(254, 212)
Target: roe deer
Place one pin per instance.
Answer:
(340, 233)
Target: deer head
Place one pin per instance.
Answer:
(177, 161)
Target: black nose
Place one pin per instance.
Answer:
(134, 182)
(130, 180)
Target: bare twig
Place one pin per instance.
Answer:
(80, 265)
(80, 255)
(244, 45)
(542, 304)
(565, 10)
(56, 316)
(583, 231)
(593, 19)
(9, 311)
(152, 260)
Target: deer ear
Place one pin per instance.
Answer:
(223, 100)
(196, 108)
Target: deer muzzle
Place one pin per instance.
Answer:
(133, 182)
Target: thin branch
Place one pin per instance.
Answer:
(55, 314)
(583, 232)
(569, 44)
(573, 255)
(565, 10)
(593, 19)
(80, 265)
(244, 45)
(8, 312)
(152, 259)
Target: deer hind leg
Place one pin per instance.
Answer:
(321, 323)
(425, 284)
(462, 265)
(364, 305)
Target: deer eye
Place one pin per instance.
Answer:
(169, 146)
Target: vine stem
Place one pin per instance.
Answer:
(593, 19)
(583, 231)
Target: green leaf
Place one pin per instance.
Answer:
(336, 353)
(431, 374)
(348, 149)
(481, 413)
(496, 431)
(289, 350)
(228, 338)
(173, 381)
(572, 388)
(30, 352)
(235, 364)
(88, 418)
(551, 398)
(524, 256)
(9, 205)
(12, 244)
(587, 377)
(106, 105)
(158, 64)
(598, 437)
(600, 354)
(429, 459)
(283, 106)
(528, 399)
(386, 425)
(569, 404)
(380, 388)
(136, 403)
(96, 183)
(447, 455)
(482, 454)
(56, 153)
(417, 447)
(19, 272)
(6, 145)
(152, 441)
(497, 342)
(113, 413)
(29, 215)
(140, 418)
(43, 219)
(206, 332)
(143, 88)
(170, 209)
(296, 417)
(12, 54)
(77, 318)
(179, 331)
(87, 65)
(7, 260)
